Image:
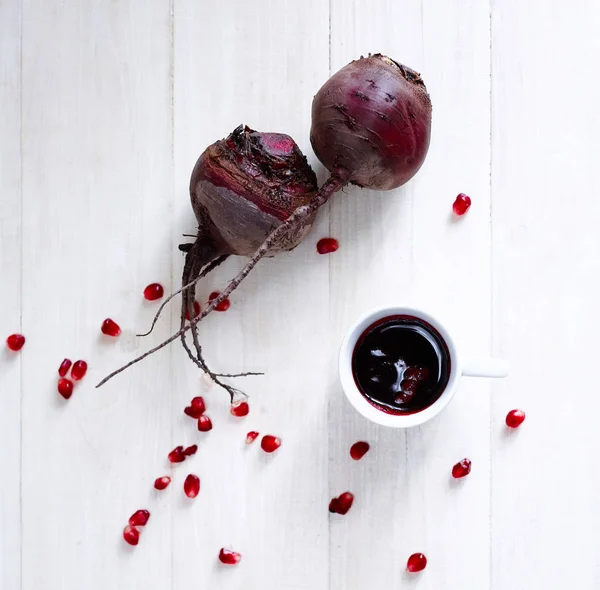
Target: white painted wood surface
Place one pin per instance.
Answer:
(105, 108)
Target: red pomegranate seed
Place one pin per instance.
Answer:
(204, 424)
(461, 204)
(327, 245)
(65, 387)
(229, 557)
(189, 451)
(223, 306)
(404, 398)
(342, 503)
(251, 437)
(131, 535)
(409, 386)
(176, 455)
(153, 292)
(64, 367)
(359, 449)
(161, 483)
(191, 485)
(239, 409)
(461, 469)
(189, 411)
(198, 405)
(196, 311)
(416, 563)
(515, 418)
(415, 373)
(15, 342)
(139, 518)
(196, 408)
(270, 443)
(110, 328)
(79, 370)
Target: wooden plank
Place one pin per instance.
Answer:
(10, 310)
(401, 247)
(546, 254)
(260, 64)
(97, 189)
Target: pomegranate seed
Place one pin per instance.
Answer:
(404, 398)
(131, 535)
(409, 386)
(342, 503)
(65, 387)
(79, 370)
(162, 483)
(191, 485)
(327, 245)
(515, 418)
(196, 408)
(461, 469)
(416, 563)
(415, 373)
(189, 451)
(196, 311)
(359, 449)
(110, 328)
(176, 455)
(251, 437)
(229, 557)
(139, 518)
(15, 342)
(64, 367)
(189, 411)
(153, 292)
(204, 424)
(198, 405)
(270, 443)
(223, 306)
(461, 204)
(239, 409)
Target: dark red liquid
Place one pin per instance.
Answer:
(401, 364)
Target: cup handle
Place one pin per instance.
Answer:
(485, 368)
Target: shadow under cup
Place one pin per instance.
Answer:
(401, 364)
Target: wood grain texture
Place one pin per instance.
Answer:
(105, 108)
(10, 308)
(402, 247)
(545, 482)
(97, 188)
(249, 63)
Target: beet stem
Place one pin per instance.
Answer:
(334, 183)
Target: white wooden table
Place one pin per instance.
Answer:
(105, 107)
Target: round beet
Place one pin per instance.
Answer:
(371, 123)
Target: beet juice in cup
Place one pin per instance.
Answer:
(399, 366)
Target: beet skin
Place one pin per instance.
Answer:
(371, 123)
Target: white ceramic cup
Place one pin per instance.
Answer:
(458, 367)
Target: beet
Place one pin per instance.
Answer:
(371, 123)
(242, 188)
(255, 195)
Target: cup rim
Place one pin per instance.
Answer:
(358, 400)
